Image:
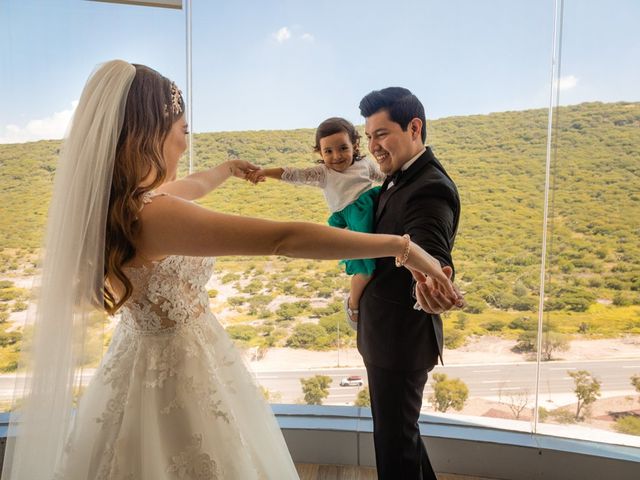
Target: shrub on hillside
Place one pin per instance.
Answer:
(526, 342)
(523, 323)
(461, 321)
(236, 301)
(474, 305)
(258, 303)
(20, 306)
(494, 326)
(230, 277)
(454, 338)
(628, 424)
(622, 300)
(243, 333)
(331, 323)
(289, 311)
(309, 336)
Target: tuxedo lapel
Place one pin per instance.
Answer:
(383, 199)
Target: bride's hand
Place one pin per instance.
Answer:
(428, 272)
(430, 298)
(240, 168)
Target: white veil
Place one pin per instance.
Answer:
(58, 337)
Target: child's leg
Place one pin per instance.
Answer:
(358, 282)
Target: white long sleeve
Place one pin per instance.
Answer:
(314, 176)
(339, 188)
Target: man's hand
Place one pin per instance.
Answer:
(430, 298)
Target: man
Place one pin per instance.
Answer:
(401, 343)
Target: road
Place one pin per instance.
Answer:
(484, 380)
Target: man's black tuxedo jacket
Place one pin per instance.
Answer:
(425, 204)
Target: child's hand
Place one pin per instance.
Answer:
(256, 176)
(242, 168)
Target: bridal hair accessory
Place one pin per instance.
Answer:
(405, 256)
(176, 101)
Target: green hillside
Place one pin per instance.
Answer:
(498, 162)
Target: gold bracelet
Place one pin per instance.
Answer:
(405, 254)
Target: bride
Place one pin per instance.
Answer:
(171, 398)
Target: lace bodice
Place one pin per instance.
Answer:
(168, 293)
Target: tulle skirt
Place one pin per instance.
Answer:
(175, 404)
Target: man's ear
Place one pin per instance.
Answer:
(415, 127)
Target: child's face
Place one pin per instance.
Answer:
(337, 151)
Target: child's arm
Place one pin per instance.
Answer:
(273, 172)
(374, 172)
(314, 176)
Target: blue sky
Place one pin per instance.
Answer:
(281, 64)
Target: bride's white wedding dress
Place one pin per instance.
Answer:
(172, 398)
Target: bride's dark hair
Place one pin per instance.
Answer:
(149, 114)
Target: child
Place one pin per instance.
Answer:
(346, 179)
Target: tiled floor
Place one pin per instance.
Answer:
(335, 472)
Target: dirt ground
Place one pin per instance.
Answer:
(599, 416)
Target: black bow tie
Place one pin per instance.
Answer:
(395, 177)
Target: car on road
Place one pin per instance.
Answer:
(352, 381)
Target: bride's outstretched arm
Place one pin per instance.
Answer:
(198, 184)
(172, 226)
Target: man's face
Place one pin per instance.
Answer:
(388, 143)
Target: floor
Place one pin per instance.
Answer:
(348, 472)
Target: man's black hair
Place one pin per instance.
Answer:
(400, 103)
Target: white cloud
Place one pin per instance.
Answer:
(48, 128)
(285, 34)
(567, 83)
(282, 35)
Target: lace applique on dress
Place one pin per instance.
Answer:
(192, 464)
(148, 197)
(167, 294)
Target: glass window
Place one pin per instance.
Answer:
(590, 375)
(500, 117)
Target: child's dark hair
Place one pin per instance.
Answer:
(335, 125)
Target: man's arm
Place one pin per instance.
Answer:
(430, 220)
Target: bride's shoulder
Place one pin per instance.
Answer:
(158, 205)
(165, 210)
